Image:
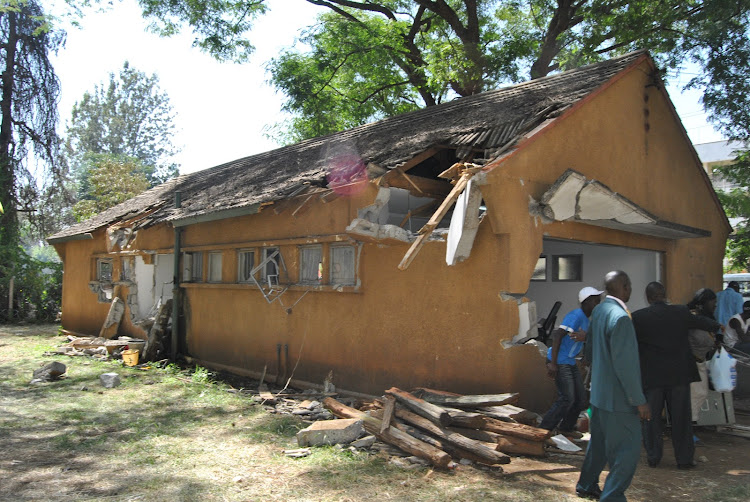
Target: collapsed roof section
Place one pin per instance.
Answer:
(574, 198)
(407, 151)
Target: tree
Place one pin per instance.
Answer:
(111, 180)
(130, 116)
(369, 59)
(28, 110)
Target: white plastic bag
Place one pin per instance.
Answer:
(722, 372)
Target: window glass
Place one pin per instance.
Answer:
(270, 271)
(192, 267)
(568, 268)
(311, 265)
(246, 263)
(342, 265)
(540, 270)
(214, 267)
(104, 269)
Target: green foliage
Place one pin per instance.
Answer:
(736, 203)
(130, 116)
(37, 286)
(364, 60)
(109, 180)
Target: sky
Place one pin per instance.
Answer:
(223, 109)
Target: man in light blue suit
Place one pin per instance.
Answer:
(617, 400)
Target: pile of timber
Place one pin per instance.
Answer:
(443, 428)
(97, 346)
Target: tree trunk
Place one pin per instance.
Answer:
(8, 220)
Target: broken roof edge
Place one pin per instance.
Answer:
(657, 227)
(208, 216)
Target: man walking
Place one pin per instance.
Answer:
(667, 368)
(567, 343)
(728, 303)
(617, 400)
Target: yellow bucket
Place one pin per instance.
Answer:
(130, 357)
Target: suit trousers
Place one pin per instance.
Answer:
(615, 440)
(677, 400)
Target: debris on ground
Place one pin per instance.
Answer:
(49, 372)
(109, 380)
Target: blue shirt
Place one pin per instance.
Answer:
(569, 349)
(728, 303)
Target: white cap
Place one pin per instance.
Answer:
(586, 292)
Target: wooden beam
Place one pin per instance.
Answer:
(408, 178)
(420, 406)
(304, 207)
(427, 229)
(472, 401)
(419, 158)
(487, 454)
(391, 435)
(388, 409)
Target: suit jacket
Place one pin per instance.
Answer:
(665, 355)
(613, 351)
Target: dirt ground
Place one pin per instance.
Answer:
(724, 462)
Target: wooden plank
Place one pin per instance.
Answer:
(329, 196)
(435, 219)
(506, 444)
(408, 178)
(510, 413)
(430, 411)
(304, 207)
(472, 401)
(390, 406)
(454, 451)
(428, 187)
(391, 435)
(516, 430)
(468, 419)
(487, 454)
(419, 158)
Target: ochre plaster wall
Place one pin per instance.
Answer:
(627, 138)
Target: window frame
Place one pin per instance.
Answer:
(191, 272)
(240, 263)
(333, 263)
(105, 261)
(556, 268)
(264, 275)
(210, 277)
(318, 270)
(546, 269)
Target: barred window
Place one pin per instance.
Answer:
(343, 265)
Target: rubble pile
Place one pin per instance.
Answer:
(427, 426)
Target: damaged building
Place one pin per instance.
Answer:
(417, 251)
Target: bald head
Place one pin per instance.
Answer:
(617, 284)
(656, 292)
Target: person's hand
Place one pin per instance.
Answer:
(578, 336)
(551, 370)
(644, 412)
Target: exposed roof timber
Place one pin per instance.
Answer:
(416, 185)
(574, 198)
(420, 157)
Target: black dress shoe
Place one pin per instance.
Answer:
(589, 494)
(691, 465)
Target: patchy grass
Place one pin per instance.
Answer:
(175, 434)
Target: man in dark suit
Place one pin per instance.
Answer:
(667, 368)
(617, 400)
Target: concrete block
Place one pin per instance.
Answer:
(329, 432)
(109, 380)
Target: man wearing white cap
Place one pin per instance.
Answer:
(567, 343)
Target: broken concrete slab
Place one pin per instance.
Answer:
(362, 229)
(330, 432)
(109, 380)
(50, 371)
(364, 443)
(464, 224)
